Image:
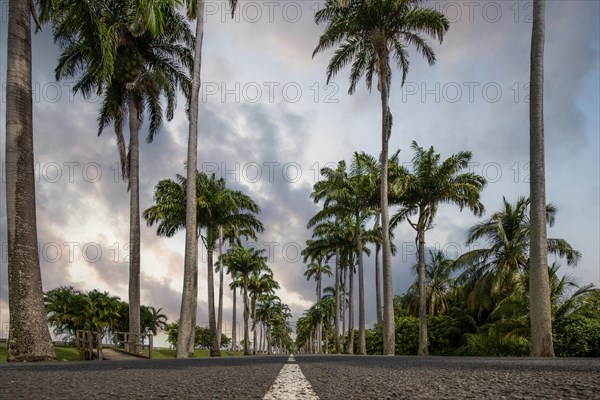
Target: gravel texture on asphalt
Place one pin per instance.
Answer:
(331, 377)
(203, 378)
(379, 377)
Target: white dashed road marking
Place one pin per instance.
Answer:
(291, 384)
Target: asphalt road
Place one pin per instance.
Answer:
(331, 377)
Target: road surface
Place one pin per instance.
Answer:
(306, 377)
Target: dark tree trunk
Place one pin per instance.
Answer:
(344, 301)
(253, 325)
(423, 345)
(246, 318)
(319, 325)
(28, 337)
(350, 349)
(539, 286)
(215, 351)
(134, 223)
(234, 318)
(337, 300)
(362, 344)
(378, 273)
(220, 307)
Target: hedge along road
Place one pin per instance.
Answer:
(306, 377)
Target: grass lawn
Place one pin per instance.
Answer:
(63, 353)
(67, 353)
(166, 353)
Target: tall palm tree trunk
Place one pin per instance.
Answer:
(362, 344)
(378, 272)
(350, 348)
(246, 318)
(423, 345)
(215, 351)
(337, 301)
(539, 287)
(134, 224)
(344, 286)
(190, 268)
(389, 336)
(220, 311)
(319, 324)
(192, 338)
(234, 318)
(254, 325)
(269, 340)
(28, 337)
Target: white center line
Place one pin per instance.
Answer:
(291, 384)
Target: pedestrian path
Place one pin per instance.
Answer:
(291, 384)
(111, 354)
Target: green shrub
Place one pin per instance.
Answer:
(577, 336)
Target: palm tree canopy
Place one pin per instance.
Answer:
(365, 30)
(243, 262)
(216, 205)
(433, 182)
(439, 279)
(317, 271)
(495, 271)
(125, 51)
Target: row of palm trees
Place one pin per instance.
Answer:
(486, 286)
(134, 52)
(350, 202)
(369, 34)
(223, 217)
(70, 310)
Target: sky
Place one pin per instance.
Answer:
(269, 121)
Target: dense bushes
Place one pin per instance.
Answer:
(578, 336)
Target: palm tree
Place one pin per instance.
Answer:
(371, 33)
(439, 281)
(145, 67)
(195, 9)
(323, 190)
(496, 271)
(541, 317)
(328, 240)
(232, 234)
(430, 184)
(278, 327)
(220, 207)
(511, 316)
(224, 208)
(242, 263)
(261, 283)
(217, 207)
(64, 307)
(274, 315)
(327, 308)
(153, 320)
(348, 196)
(316, 269)
(29, 337)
